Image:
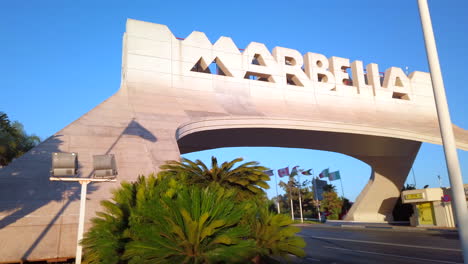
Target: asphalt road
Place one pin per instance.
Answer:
(352, 245)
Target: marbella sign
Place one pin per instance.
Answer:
(312, 70)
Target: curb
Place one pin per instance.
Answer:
(384, 228)
(411, 229)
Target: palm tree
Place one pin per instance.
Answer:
(249, 178)
(191, 214)
(106, 240)
(160, 220)
(196, 225)
(274, 235)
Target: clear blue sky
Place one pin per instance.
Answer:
(59, 59)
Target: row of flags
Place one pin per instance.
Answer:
(317, 184)
(332, 176)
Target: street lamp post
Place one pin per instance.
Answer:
(446, 130)
(84, 186)
(66, 164)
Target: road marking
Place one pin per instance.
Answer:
(392, 255)
(383, 243)
(353, 226)
(312, 259)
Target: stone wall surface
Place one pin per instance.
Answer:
(164, 109)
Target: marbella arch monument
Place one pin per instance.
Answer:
(184, 95)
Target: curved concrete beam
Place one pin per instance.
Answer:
(390, 158)
(229, 122)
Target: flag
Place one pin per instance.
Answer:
(306, 172)
(324, 173)
(334, 176)
(283, 172)
(294, 171)
(269, 172)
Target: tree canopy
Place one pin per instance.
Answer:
(14, 141)
(248, 178)
(331, 202)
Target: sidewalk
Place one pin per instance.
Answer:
(381, 226)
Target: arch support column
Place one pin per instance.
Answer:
(378, 198)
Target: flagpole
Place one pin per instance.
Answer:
(277, 196)
(314, 185)
(342, 190)
(290, 198)
(414, 177)
(300, 199)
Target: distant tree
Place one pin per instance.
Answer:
(272, 204)
(4, 122)
(283, 201)
(329, 188)
(308, 200)
(346, 206)
(403, 212)
(291, 190)
(14, 141)
(333, 204)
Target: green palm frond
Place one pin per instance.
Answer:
(105, 241)
(191, 213)
(197, 226)
(274, 234)
(229, 174)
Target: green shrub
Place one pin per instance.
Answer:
(180, 218)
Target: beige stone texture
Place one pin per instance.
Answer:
(359, 81)
(164, 109)
(315, 65)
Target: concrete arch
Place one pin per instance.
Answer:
(163, 109)
(390, 158)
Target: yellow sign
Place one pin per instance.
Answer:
(426, 214)
(414, 196)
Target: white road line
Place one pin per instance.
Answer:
(312, 259)
(398, 256)
(383, 243)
